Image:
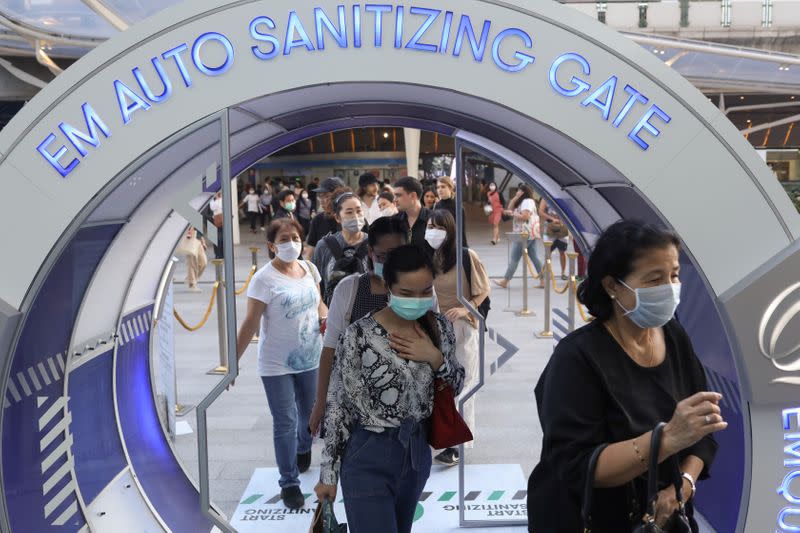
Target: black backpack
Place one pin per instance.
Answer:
(347, 261)
(486, 304)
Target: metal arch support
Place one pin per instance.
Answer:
(33, 33)
(111, 16)
(230, 325)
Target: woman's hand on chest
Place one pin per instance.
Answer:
(415, 345)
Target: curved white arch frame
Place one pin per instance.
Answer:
(698, 151)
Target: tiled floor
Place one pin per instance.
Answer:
(240, 427)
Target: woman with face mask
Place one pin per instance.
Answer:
(494, 209)
(284, 302)
(350, 241)
(386, 204)
(381, 397)
(611, 382)
(441, 236)
(354, 297)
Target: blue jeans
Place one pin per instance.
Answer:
(290, 398)
(382, 476)
(516, 255)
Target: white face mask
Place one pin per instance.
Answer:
(353, 225)
(655, 306)
(435, 237)
(288, 251)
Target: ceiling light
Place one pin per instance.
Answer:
(783, 67)
(791, 98)
(741, 98)
(385, 134)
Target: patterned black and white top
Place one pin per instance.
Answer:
(374, 388)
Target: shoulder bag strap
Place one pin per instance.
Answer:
(467, 264)
(333, 245)
(652, 474)
(588, 488)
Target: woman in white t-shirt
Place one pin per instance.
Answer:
(526, 220)
(284, 299)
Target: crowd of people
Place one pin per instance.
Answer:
(356, 320)
(359, 316)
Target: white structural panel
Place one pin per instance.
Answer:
(540, 61)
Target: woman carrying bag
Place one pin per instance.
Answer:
(381, 397)
(441, 236)
(611, 382)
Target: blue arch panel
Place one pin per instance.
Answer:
(40, 491)
(97, 450)
(174, 498)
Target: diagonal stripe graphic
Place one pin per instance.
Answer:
(520, 495)
(57, 430)
(140, 323)
(53, 480)
(56, 454)
(447, 496)
(34, 378)
(43, 372)
(53, 369)
(60, 360)
(12, 388)
(59, 498)
(252, 499)
(52, 411)
(274, 499)
(472, 495)
(25, 388)
(6, 403)
(124, 335)
(66, 515)
(496, 495)
(135, 327)
(131, 335)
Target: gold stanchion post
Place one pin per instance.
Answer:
(547, 332)
(222, 369)
(573, 258)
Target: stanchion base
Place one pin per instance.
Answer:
(218, 371)
(525, 313)
(182, 409)
(544, 335)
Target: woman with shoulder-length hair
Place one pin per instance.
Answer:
(381, 397)
(284, 301)
(611, 382)
(441, 236)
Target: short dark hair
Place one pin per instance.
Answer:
(410, 185)
(386, 195)
(386, 226)
(620, 245)
(284, 193)
(406, 258)
(277, 225)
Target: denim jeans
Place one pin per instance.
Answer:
(290, 398)
(382, 476)
(516, 255)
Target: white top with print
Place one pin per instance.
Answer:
(289, 341)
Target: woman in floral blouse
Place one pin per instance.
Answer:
(381, 396)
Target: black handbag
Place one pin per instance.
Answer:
(678, 522)
(588, 489)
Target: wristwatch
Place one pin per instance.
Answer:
(690, 479)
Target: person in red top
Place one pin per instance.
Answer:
(495, 200)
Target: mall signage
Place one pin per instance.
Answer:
(393, 27)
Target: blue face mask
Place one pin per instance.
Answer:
(655, 306)
(410, 308)
(377, 269)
